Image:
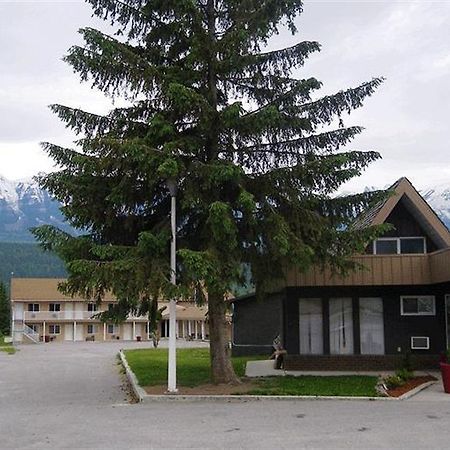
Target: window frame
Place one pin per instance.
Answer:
(418, 313)
(94, 328)
(33, 309)
(398, 241)
(93, 306)
(58, 305)
(420, 348)
(54, 325)
(115, 328)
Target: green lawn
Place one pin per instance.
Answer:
(354, 386)
(8, 348)
(150, 368)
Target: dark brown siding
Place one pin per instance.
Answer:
(255, 325)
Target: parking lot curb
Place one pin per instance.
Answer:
(139, 393)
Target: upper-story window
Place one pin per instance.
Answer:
(54, 307)
(92, 307)
(33, 307)
(398, 246)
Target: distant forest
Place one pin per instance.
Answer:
(28, 260)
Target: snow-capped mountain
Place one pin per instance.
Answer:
(23, 204)
(439, 198)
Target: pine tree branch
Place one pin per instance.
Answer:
(133, 17)
(327, 108)
(321, 111)
(111, 64)
(328, 141)
(117, 121)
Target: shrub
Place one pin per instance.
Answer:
(404, 374)
(408, 362)
(394, 381)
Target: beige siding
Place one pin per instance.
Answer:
(381, 270)
(440, 266)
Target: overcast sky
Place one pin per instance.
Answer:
(407, 120)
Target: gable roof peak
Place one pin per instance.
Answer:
(420, 209)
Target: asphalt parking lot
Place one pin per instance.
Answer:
(72, 396)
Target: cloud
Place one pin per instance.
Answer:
(406, 120)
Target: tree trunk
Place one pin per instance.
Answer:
(221, 367)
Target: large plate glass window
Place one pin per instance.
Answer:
(420, 305)
(371, 326)
(341, 326)
(311, 326)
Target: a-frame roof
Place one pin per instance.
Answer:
(416, 205)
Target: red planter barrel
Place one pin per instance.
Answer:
(445, 371)
(139, 338)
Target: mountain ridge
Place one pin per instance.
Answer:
(23, 205)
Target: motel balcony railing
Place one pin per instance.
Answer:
(65, 315)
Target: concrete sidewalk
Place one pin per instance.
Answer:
(434, 393)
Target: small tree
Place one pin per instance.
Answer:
(5, 311)
(244, 139)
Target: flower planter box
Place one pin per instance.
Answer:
(445, 372)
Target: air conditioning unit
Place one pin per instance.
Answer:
(55, 315)
(33, 315)
(420, 343)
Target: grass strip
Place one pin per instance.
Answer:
(193, 369)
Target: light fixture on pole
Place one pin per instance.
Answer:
(172, 369)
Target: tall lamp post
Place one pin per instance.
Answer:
(172, 375)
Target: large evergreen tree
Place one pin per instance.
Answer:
(256, 154)
(5, 311)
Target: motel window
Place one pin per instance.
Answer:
(54, 307)
(418, 305)
(92, 307)
(112, 328)
(33, 307)
(92, 329)
(54, 329)
(110, 306)
(400, 246)
(34, 327)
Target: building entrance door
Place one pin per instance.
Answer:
(341, 326)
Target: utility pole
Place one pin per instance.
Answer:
(172, 369)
